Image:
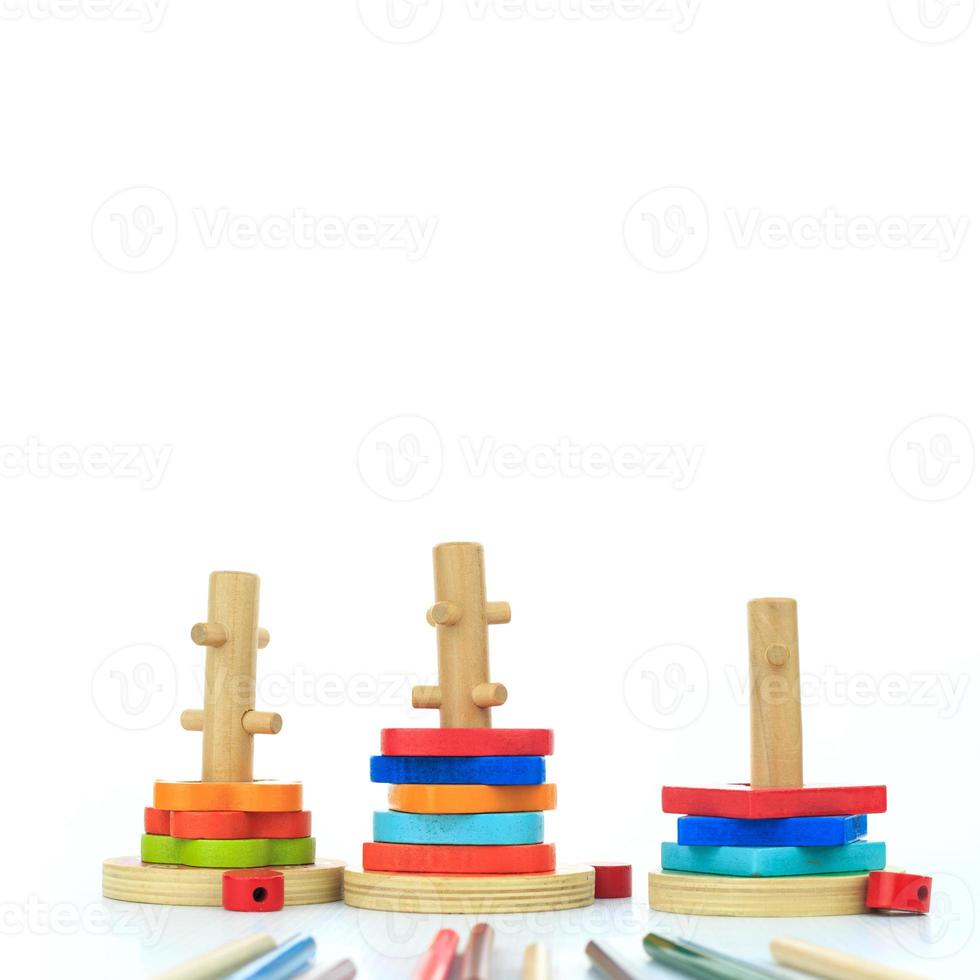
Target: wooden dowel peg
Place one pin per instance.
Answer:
(192, 720)
(209, 634)
(426, 697)
(262, 722)
(498, 613)
(444, 614)
(831, 963)
(229, 721)
(461, 613)
(263, 641)
(774, 673)
(489, 695)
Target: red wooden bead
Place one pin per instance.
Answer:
(253, 891)
(613, 880)
(899, 892)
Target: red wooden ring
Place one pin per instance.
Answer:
(227, 824)
(613, 880)
(463, 859)
(746, 802)
(253, 891)
(898, 892)
(467, 741)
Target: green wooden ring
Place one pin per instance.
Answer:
(248, 853)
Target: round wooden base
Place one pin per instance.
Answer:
(566, 888)
(128, 879)
(805, 895)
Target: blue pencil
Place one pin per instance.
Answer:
(287, 960)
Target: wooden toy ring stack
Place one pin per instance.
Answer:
(777, 847)
(196, 830)
(464, 832)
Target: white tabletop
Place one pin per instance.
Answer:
(109, 939)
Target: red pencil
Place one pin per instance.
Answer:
(437, 963)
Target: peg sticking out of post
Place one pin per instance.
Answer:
(774, 669)
(461, 614)
(229, 720)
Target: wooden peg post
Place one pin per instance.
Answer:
(461, 614)
(229, 720)
(774, 668)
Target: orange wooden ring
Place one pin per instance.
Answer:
(455, 798)
(226, 824)
(263, 796)
(465, 859)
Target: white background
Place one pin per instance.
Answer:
(669, 310)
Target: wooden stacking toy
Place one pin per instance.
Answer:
(775, 847)
(195, 831)
(465, 828)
